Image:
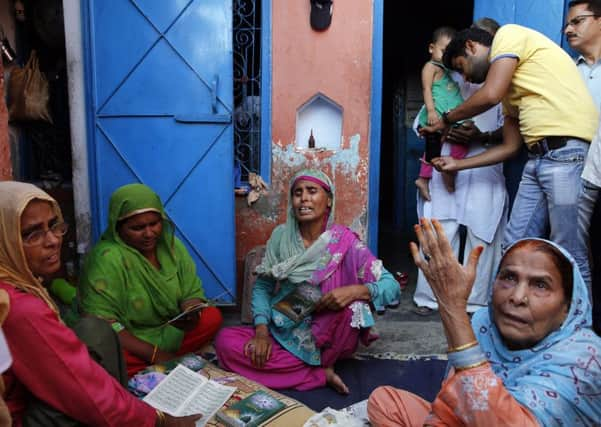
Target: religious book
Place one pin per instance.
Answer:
(185, 392)
(299, 303)
(251, 411)
(192, 309)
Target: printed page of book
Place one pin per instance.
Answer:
(173, 392)
(207, 400)
(185, 392)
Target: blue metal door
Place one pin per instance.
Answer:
(160, 97)
(545, 16)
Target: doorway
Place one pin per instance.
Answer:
(408, 28)
(40, 143)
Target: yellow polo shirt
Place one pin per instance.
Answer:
(547, 94)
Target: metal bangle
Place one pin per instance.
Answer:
(160, 418)
(463, 347)
(473, 365)
(154, 354)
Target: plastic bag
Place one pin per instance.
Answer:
(332, 418)
(28, 92)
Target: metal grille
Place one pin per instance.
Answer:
(247, 87)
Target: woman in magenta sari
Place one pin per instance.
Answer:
(309, 249)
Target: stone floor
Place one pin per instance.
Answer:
(402, 331)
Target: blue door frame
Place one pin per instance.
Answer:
(375, 127)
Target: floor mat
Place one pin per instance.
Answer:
(422, 377)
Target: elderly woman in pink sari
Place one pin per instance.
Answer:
(308, 255)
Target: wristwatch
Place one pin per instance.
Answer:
(445, 118)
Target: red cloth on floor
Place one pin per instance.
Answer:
(210, 322)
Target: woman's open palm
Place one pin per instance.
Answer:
(450, 281)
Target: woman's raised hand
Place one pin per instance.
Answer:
(259, 347)
(450, 281)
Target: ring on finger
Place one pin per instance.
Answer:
(427, 257)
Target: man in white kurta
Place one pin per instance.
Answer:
(479, 203)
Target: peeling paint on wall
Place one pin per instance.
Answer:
(347, 159)
(288, 156)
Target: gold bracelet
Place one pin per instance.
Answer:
(154, 354)
(473, 365)
(160, 418)
(463, 347)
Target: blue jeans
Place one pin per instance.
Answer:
(548, 201)
(589, 222)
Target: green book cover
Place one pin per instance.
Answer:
(251, 411)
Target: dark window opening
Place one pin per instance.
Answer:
(247, 88)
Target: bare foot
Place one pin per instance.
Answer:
(449, 181)
(334, 381)
(423, 186)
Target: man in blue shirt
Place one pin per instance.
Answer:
(583, 32)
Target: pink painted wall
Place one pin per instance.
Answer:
(336, 63)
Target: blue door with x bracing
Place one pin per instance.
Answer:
(159, 89)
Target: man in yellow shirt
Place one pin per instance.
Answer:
(547, 105)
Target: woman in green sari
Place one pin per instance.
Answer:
(139, 275)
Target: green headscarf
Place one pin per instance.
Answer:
(286, 256)
(131, 200)
(119, 284)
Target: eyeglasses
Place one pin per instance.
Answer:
(37, 237)
(577, 20)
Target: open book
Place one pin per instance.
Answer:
(185, 392)
(192, 309)
(299, 303)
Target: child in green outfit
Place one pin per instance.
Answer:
(441, 93)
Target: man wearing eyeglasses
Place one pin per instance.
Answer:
(548, 107)
(583, 32)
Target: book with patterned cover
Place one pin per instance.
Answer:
(250, 411)
(299, 303)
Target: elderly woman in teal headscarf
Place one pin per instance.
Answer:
(139, 276)
(311, 258)
(528, 359)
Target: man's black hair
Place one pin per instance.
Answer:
(592, 5)
(443, 32)
(487, 24)
(457, 46)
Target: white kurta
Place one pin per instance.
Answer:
(479, 202)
